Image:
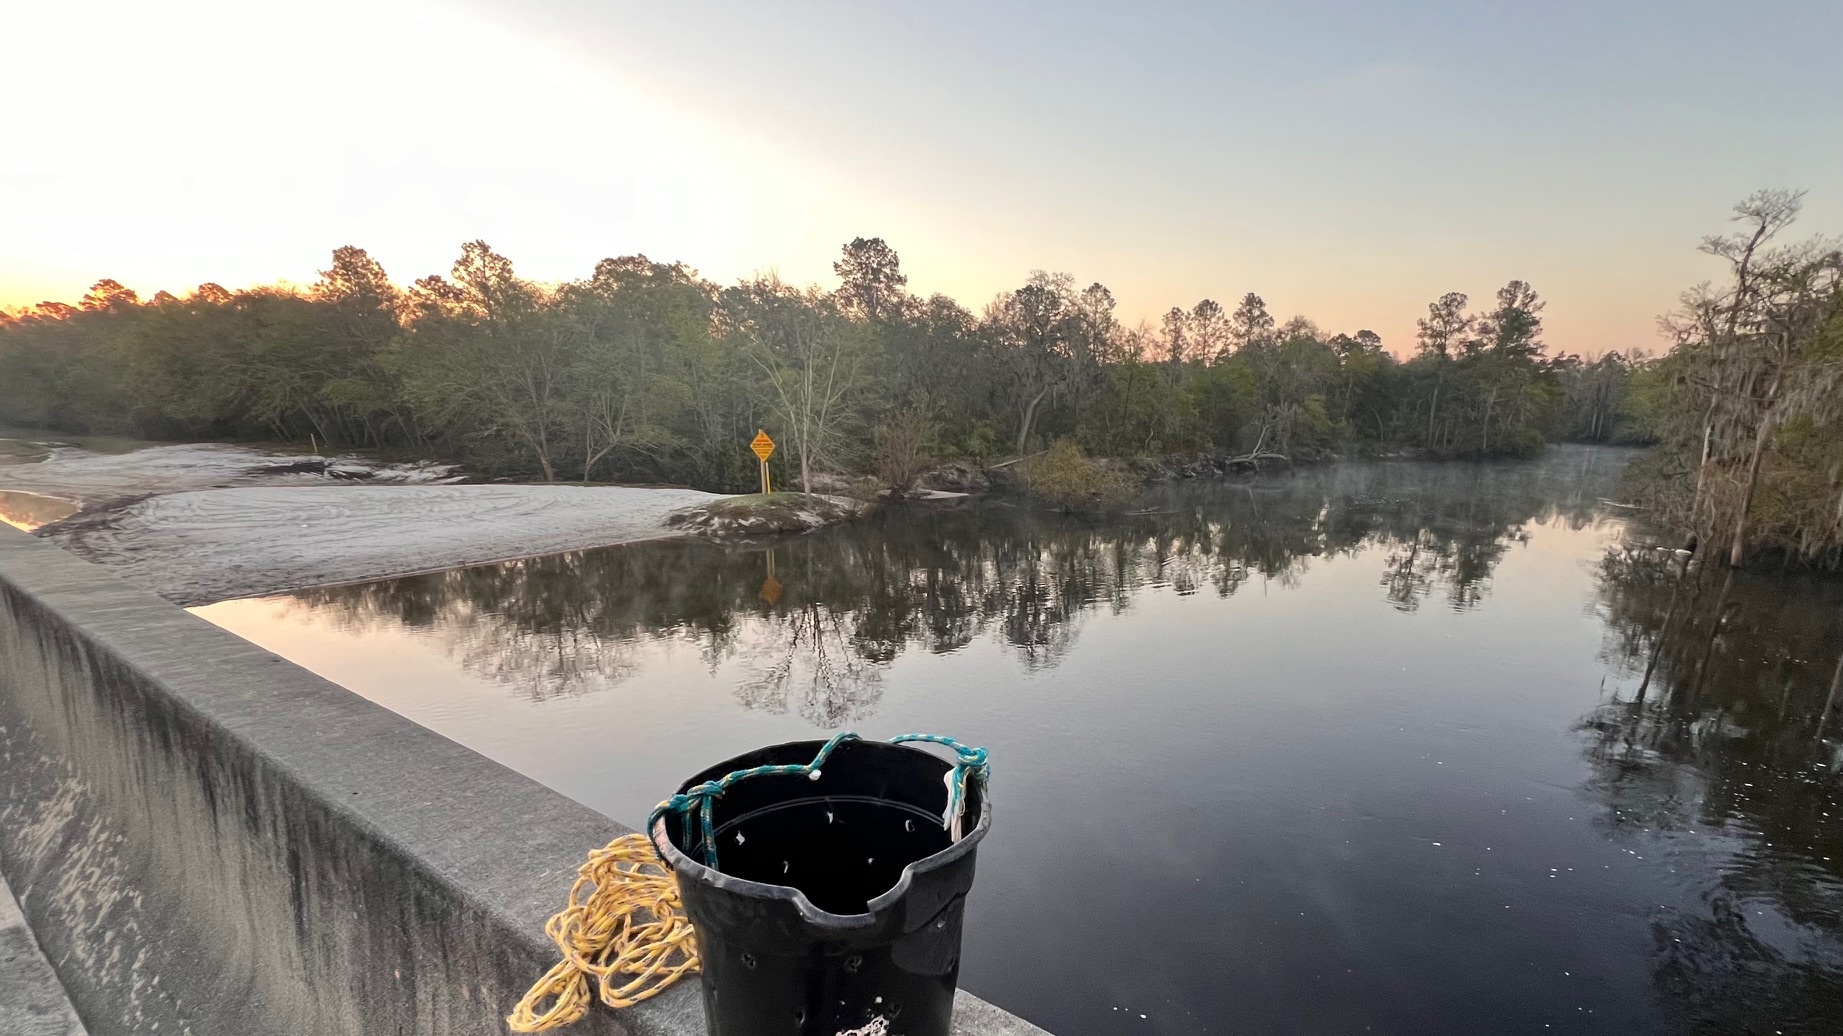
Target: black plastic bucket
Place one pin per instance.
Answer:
(836, 902)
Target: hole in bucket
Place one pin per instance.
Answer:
(748, 961)
(799, 1016)
(853, 962)
(850, 850)
(894, 1009)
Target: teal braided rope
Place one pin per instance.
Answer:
(971, 762)
(704, 797)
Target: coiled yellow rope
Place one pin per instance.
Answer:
(629, 934)
(632, 925)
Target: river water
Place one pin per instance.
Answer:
(1357, 750)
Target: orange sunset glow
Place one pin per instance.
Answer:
(207, 141)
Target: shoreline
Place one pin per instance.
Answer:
(202, 523)
(213, 545)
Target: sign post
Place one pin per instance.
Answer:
(764, 448)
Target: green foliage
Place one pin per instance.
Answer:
(1143, 409)
(1601, 400)
(1069, 479)
(982, 441)
(644, 371)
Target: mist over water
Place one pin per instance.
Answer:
(1360, 749)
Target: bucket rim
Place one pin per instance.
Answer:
(678, 862)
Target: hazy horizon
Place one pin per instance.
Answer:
(1345, 162)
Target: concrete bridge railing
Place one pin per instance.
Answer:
(207, 839)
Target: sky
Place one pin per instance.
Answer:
(1347, 161)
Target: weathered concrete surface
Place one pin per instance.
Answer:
(208, 838)
(32, 1003)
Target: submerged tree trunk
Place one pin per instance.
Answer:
(1663, 635)
(1708, 649)
(1830, 703)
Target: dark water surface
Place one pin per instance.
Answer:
(1358, 750)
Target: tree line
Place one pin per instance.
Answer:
(645, 371)
(1747, 406)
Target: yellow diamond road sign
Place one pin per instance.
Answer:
(762, 445)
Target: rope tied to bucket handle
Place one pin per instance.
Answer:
(698, 804)
(970, 764)
(625, 926)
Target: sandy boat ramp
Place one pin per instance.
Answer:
(202, 522)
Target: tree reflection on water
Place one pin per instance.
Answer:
(1717, 745)
(805, 655)
(851, 600)
(1731, 751)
